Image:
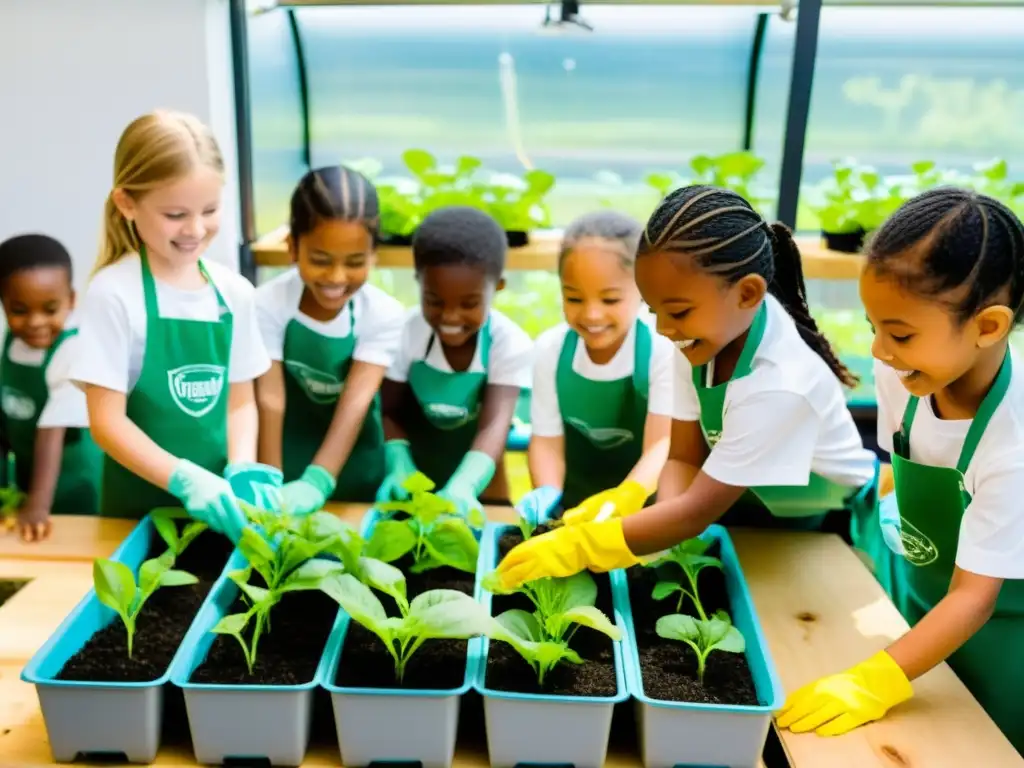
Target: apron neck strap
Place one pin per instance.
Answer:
(642, 358)
(979, 423)
(483, 339)
(149, 285)
(744, 363)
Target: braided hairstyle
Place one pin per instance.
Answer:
(331, 194)
(950, 238)
(725, 236)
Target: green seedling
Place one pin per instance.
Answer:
(164, 520)
(438, 614)
(703, 636)
(431, 530)
(689, 556)
(11, 500)
(561, 607)
(116, 588)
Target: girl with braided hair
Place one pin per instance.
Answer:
(331, 337)
(761, 434)
(943, 288)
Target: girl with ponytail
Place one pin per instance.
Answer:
(760, 432)
(168, 341)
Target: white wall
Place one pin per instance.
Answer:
(73, 74)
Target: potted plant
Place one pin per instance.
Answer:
(100, 677)
(552, 665)
(253, 663)
(698, 665)
(838, 209)
(374, 666)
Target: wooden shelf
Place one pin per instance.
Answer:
(820, 610)
(541, 253)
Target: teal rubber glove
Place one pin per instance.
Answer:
(256, 484)
(400, 467)
(467, 483)
(536, 506)
(207, 498)
(309, 493)
(889, 519)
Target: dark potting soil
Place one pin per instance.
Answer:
(10, 587)
(159, 627)
(289, 650)
(508, 671)
(436, 665)
(669, 667)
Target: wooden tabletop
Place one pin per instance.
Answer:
(541, 253)
(820, 609)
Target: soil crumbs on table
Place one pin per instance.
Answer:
(508, 671)
(436, 665)
(159, 627)
(9, 588)
(288, 651)
(669, 667)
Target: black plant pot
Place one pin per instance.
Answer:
(844, 242)
(387, 238)
(517, 239)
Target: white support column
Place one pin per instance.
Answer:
(75, 72)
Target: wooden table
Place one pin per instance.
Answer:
(820, 609)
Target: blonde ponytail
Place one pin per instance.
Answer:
(154, 150)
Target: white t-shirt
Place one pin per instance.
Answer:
(991, 541)
(545, 413)
(65, 404)
(112, 323)
(511, 352)
(378, 319)
(784, 420)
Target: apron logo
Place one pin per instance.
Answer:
(17, 405)
(603, 437)
(712, 436)
(320, 387)
(918, 548)
(447, 416)
(196, 388)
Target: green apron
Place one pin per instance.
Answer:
(932, 502)
(793, 507)
(317, 367)
(24, 396)
(441, 431)
(179, 401)
(603, 421)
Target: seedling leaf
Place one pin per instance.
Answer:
(390, 540)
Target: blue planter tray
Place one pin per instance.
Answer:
(675, 733)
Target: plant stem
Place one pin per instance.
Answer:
(693, 596)
(701, 659)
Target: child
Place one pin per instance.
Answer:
(168, 342)
(601, 411)
(943, 288)
(756, 382)
(451, 392)
(331, 337)
(45, 418)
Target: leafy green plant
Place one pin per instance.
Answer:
(116, 588)
(433, 615)
(690, 557)
(164, 520)
(561, 607)
(430, 529)
(702, 635)
(11, 500)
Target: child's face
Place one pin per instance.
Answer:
(178, 220)
(456, 299)
(921, 338)
(698, 311)
(37, 303)
(599, 297)
(334, 261)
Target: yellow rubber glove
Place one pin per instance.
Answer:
(626, 499)
(839, 703)
(565, 551)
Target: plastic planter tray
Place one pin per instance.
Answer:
(531, 729)
(99, 719)
(240, 722)
(429, 718)
(706, 735)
